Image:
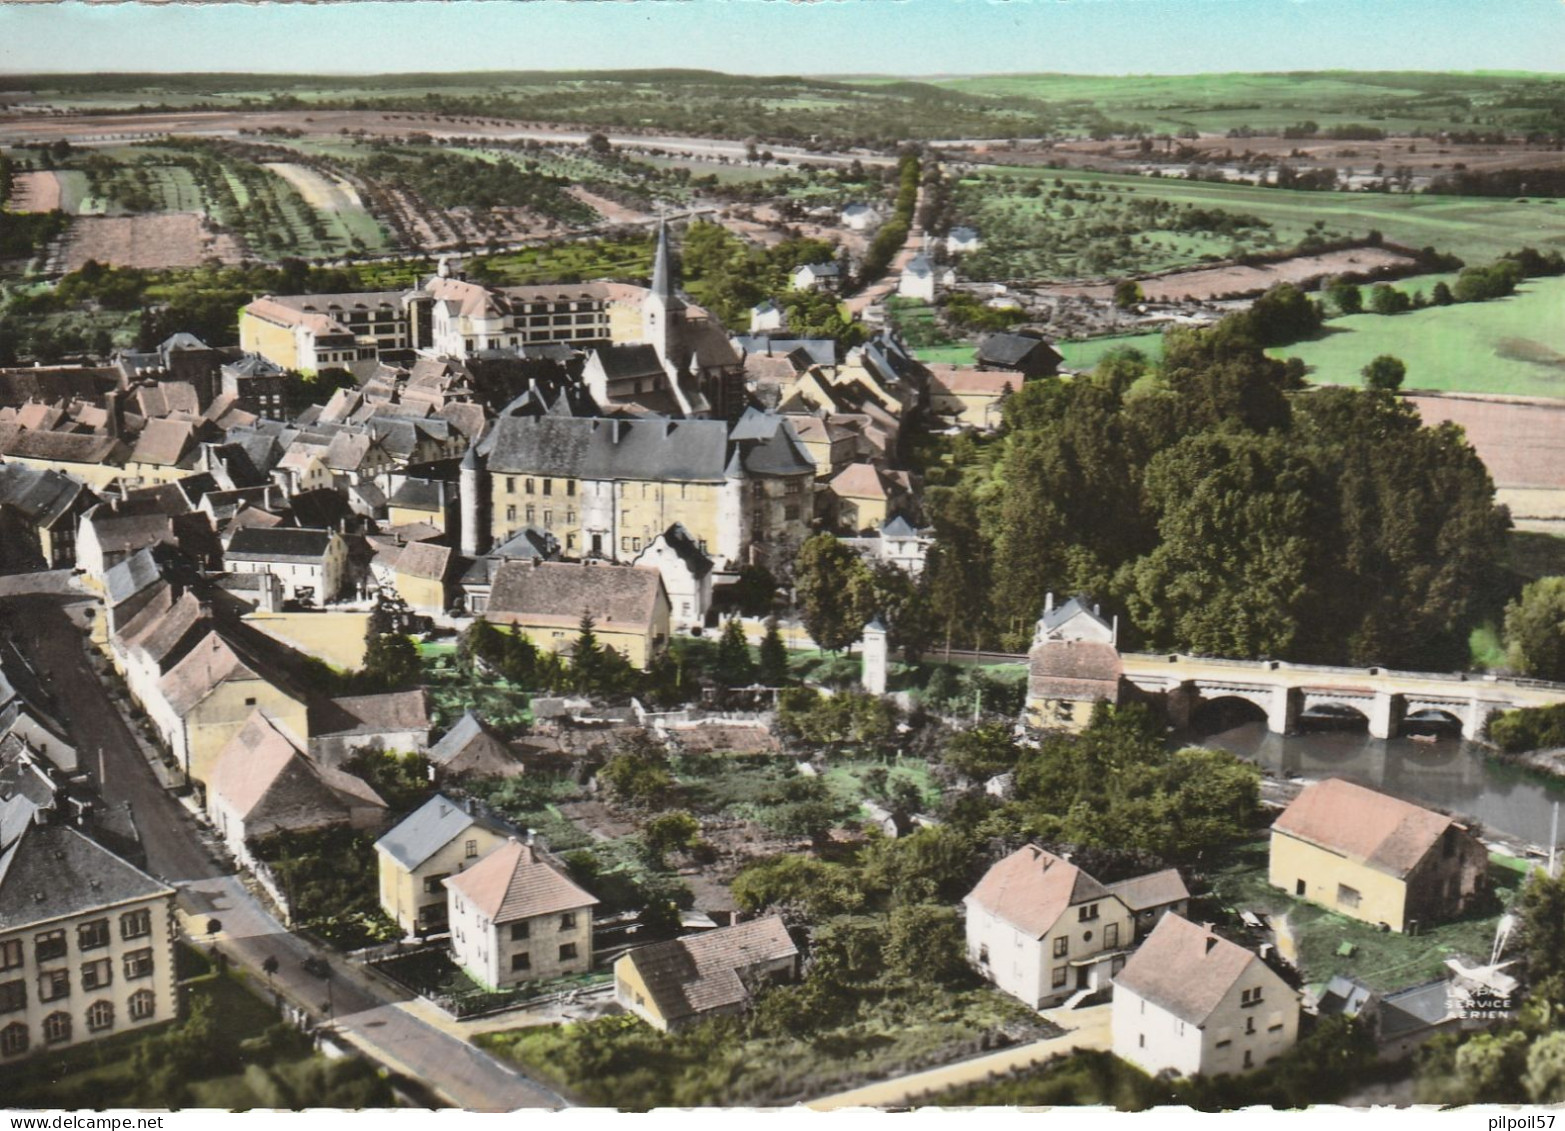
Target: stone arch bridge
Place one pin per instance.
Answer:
(1285, 691)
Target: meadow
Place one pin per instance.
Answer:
(1513, 346)
(1100, 235)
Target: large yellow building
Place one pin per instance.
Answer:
(1374, 857)
(438, 839)
(547, 601)
(86, 943)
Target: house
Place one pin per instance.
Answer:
(547, 600)
(1191, 1003)
(674, 983)
(765, 316)
(809, 276)
(1043, 930)
(917, 280)
(859, 217)
(438, 839)
(26, 712)
(687, 575)
(516, 918)
(256, 384)
(1019, 351)
(39, 512)
(311, 564)
(1152, 896)
(86, 943)
(529, 544)
(390, 720)
(96, 460)
(471, 747)
(968, 395)
(423, 500)
(1374, 857)
(264, 783)
(422, 575)
(1073, 665)
(962, 239)
(635, 374)
(863, 496)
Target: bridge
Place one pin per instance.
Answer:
(1283, 691)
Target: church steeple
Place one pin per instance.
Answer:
(663, 267)
(661, 309)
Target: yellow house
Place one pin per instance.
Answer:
(671, 984)
(547, 600)
(1374, 857)
(95, 460)
(970, 395)
(437, 840)
(206, 699)
(863, 496)
(421, 573)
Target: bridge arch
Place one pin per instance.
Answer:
(1216, 712)
(1334, 714)
(1423, 719)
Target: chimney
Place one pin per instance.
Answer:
(1048, 602)
(1211, 941)
(115, 423)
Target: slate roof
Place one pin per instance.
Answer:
(422, 495)
(39, 495)
(278, 544)
(1382, 832)
(1187, 970)
(898, 527)
(1008, 349)
(427, 830)
(1032, 888)
(690, 976)
(1075, 607)
(471, 747)
(629, 361)
(1157, 889)
(425, 560)
(538, 592)
(52, 871)
(373, 714)
(65, 447)
(512, 883)
(820, 270)
(577, 448)
(919, 266)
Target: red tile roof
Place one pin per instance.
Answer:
(1385, 833)
(1187, 970)
(512, 883)
(695, 975)
(1031, 889)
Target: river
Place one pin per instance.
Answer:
(1449, 773)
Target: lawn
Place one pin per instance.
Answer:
(622, 1062)
(1513, 346)
(1380, 959)
(249, 1061)
(431, 973)
(1087, 353)
(452, 691)
(946, 355)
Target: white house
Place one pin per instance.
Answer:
(809, 276)
(962, 239)
(311, 564)
(1043, 930)
(860, 217)
(1076, 620)
(765, 315)
(515, 919)
(1192, 1003)
(918, 279)
(687, 575)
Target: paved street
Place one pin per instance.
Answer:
(44, 616)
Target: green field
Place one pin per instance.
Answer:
(1087, 353)
(1512, 345)
(1479, 229)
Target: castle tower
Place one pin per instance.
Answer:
(733, 515)
(475, 512)
(877, 654)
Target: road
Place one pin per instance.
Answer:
(45, 617)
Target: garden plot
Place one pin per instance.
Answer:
(1207, 283)
(170, 239)
(328, 194)
(34, 192)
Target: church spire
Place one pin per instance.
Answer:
(662, 266)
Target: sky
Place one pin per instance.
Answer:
(905, 37)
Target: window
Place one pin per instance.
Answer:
(136, 924)
(10, 954)
(100, 1016)
(983, 953)
(570, 518)
(470, 849)
(50, 944)
(1087, 913)
(1250, 997)
(96, 975)
(570, 488)
(510, 514)
(138, 964)
(548, 486)
(567, 951)
(1061, 947)
(529, 486)
(54, 984)
(1111, 935)
(1346, 896)
(91, 936)
(250, 702)
(1060, 975)
(532, 511)
(521, 962)
(1249, 1059)
(432, 884)
(510, 485)
(142, 1005)
(790, 512)
(568, 921)
(624, 543)
(13, 1039)
(1249, 1025)
(13, 996)
(57, 1028)
(1299, 888)
(548, 519)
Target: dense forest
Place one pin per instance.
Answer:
(1222, 510)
